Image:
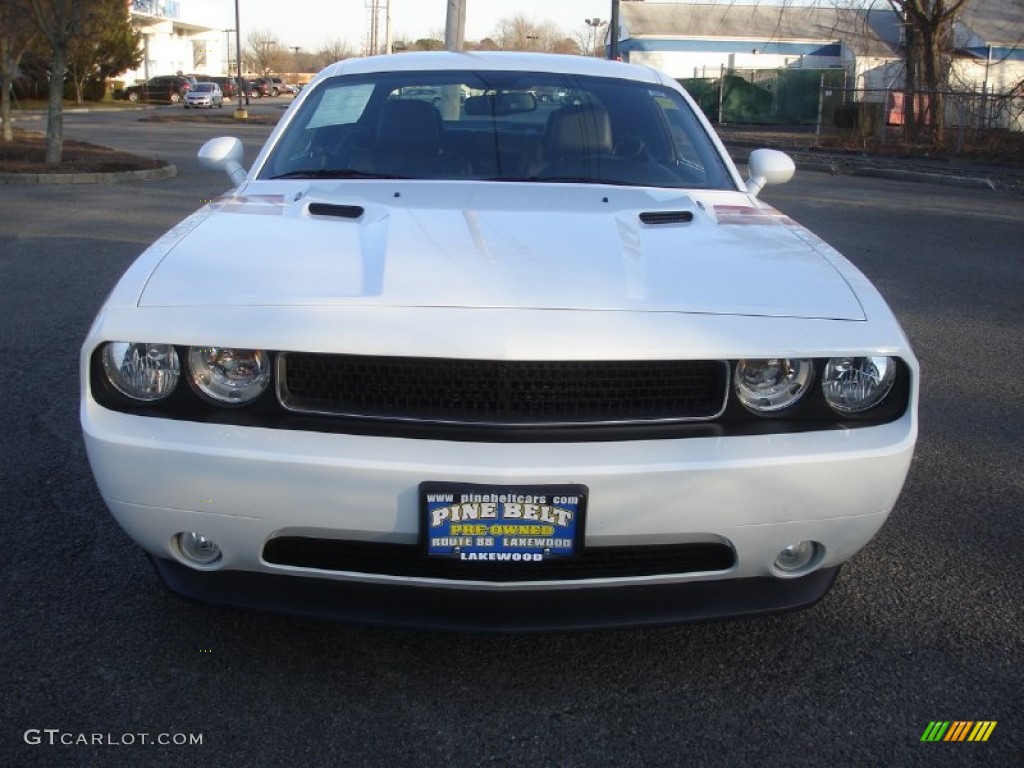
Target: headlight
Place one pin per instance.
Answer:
(141, 371)
(855, 384)
(766, 386)
(229, 376)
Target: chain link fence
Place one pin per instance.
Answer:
(968, 116)
(821, 98)
(764, 96)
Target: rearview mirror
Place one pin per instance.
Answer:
(501, 104)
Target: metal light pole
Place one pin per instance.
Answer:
(594, 25)
(227, 48)
(241, 113)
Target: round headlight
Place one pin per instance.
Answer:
(141, 371)
(766, 386)
(855, 384)
(229, 376)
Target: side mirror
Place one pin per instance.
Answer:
(768, 166)
(224, 154)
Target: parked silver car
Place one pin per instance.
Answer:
(204, 95)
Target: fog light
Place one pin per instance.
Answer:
(798, 558)
(198, 549)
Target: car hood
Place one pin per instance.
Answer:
(507, 245)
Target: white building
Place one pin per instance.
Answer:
(694, 39)
(187, 36)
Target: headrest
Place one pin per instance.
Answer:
(408, 124)
(582, 130)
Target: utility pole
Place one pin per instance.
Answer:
(227, 45)
(613, 32)
(241, 113)
(455, 27)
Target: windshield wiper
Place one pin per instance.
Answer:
(335, 173)
(562, 180)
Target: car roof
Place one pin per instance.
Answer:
(494, 60)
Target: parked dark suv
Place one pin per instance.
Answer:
(279, 86)
(249, 88)
(169, 88)
(227, 85)
(261, 86)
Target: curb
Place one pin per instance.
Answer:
(926, 178)
(896, 174)
(843, 166)
(117, 177)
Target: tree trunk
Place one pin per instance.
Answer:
(911, 85)
(55, 114)
(929, 44)
(935, 83)
(6, 79)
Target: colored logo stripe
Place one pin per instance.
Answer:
(982, 730)
(958, 730)
(935, 731)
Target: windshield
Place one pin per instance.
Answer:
(500, 126)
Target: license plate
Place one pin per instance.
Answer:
(500, 523)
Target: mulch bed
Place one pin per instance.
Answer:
(26, 154)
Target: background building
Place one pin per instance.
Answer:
(800, 64)
(187, 36)
(689, 40)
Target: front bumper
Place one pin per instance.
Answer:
(245, 486)
(433, 608)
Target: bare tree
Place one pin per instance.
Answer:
(590, 39)
(332, 51)
(427, 44)
(16, 31)
(302, 61)
(552, 39)
(264, 52)
(928, 51)
(517, 33)
(521, 33)
(59, 23)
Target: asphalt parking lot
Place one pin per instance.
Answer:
(925, 624)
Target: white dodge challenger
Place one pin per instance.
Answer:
(491, 341)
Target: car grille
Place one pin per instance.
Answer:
(514, 393)
(408, 560)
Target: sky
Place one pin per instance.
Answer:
(310, 23)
